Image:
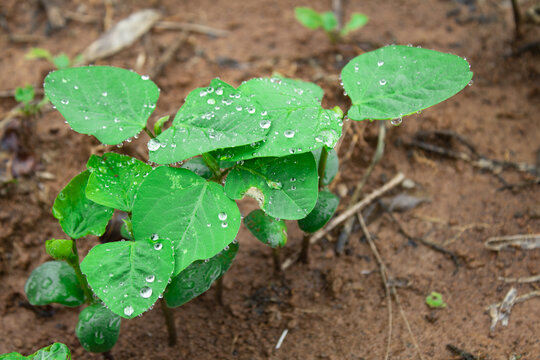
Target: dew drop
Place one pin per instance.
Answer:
(222, 216)
(380, 63)
(65, 102)
(150, 278)
(154, 237)
(128, 310)
(292, 179)
(145, 77)
(104, 93)
(289, 133)
(219, 91)
(211, 101)
(158, 246)
(382, 82)
(76, 87)
(265, 124)
(396, 121)
(153, 145)
(239, 108)
(146, 292)
(224, 224)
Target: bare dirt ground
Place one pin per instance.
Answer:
(334, 308)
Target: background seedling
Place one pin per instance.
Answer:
(329, 23)
(269, 139)
(56, 351)
(60, 61)
(435, 300)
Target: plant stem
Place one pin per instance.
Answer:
(74, 263)
(212, 164)
(304, 253)
(169, 321)
(147, 130)
(277, 261)
(322, 166)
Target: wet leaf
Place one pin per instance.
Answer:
(357, 21)
(193, 213)
(214, 117)
(308, 17)
(115, 179)
(323, 211)
(297, 122)
(54, 282)
(60, 249)
(198, 166)
(395, 81)
(56, 351)
(199, 276)
(98, 328)
(129, 276)
(267, 229)
(110, 103)
(78, 215)
(332, 164)
(285, 187)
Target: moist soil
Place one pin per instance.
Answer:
(335, 307)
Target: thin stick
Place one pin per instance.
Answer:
(169, 321)
(396, 180)
(517, 18)
(202, 29)
(392, 287)
(521, 280)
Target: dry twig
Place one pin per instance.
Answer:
(198, 28)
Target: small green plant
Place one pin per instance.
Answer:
(60, 61)
(56, 351)
(269, 139)
(435, 300)
(328, 22)
(25, 96)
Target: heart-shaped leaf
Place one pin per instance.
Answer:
(110, 103)
(214, 117)
(115, 179)
(308, 17)
(395, 81)
(78, 215)
(297, 123)
(265, 228)
(284, 187)
(199, 276)
(129, 276)
(357, 21)
(332, 164)
(194, 214)
(98, 328)
(323, 211)
(54, 282)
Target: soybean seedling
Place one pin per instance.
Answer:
(260, 139)
(328, 22)
(56, 351)
(60, 61)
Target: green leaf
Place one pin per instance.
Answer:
(54, 282)
(110, 103)
(194, 214)
(158, 126)
(198, 166)
(284, 187)
(115, 179)
(325, 208)
(199, 276)
(329, 21)
(24, 94)
(77, 215)
(98, 328)
(61, 61)
(357, 21)
(265, 228)
(214, 117)
(297, 122)
(56, 351)
(60, 249)
(38, 53)
(308, 17)
(332, 164)
(395, 81)
(129, 276)
(435, 300)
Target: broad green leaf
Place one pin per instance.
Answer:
(78, 215)
(129, 276)
(115, 179)
(325, 208)
(97, 328)
(61, 61)
(199, 276)
(285, 187)
(329, 21)
(396, 80)
(193, 213)
(214, 117)
(110, 103)
(297, 122)
(332, 164)
(60, 249)
(56, 351)
(357, 21)
(24, 94)
(267, 229)
(308, 17)
(198, 166)
(54, 282)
